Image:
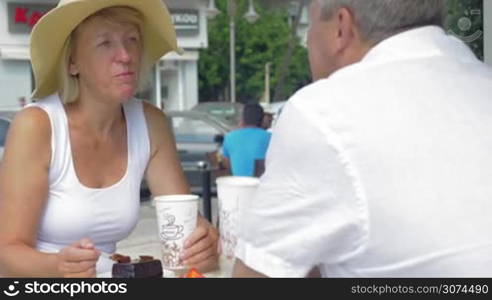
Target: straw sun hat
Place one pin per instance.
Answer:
(53, 29)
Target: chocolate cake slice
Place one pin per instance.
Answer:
(144, 267)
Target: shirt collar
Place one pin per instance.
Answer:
(422, 42)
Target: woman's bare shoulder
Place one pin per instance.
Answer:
(153, 114)
(30, 129)
(31, 121)
(160, 132)
(157, 122)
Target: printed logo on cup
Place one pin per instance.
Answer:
(169, 230)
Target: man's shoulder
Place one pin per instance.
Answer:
(267, 134)
(336, 91)
(245, 133)
(233, 132)
(233, 135)
(317, 93)
(261, 133)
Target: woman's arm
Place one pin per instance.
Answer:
(23, 193)
(164, 173)
(165, 177)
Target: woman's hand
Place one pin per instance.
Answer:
(78, 260)
(201, 247)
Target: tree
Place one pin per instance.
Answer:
(293, 41)
(465, 20)
(256, 45)
(267, 41)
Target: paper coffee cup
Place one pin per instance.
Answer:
(233, 193)
(176, 218)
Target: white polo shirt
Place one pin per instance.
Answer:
(382, 170)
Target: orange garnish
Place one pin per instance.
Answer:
(193, 273)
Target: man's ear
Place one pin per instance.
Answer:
(346, 29)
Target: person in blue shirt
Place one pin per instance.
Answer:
(245, 145)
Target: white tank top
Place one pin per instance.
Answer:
(74, 211)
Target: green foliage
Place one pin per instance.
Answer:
(267, 41)
(256, 45)
(465, 20)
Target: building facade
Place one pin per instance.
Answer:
(173, 83)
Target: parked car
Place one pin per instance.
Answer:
(229, 114)
(198, 135)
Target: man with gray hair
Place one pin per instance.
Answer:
(382, 167)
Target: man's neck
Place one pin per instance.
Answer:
(355, 54)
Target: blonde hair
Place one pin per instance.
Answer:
(68, 84)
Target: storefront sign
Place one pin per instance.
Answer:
(186, 22)
(23, 16)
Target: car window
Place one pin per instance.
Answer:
(227, 113)
(193, 130)
(4, 127)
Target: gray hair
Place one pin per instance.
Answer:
(380, 19)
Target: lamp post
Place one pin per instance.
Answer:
(251, 16)
(212, 10)
(232, 9)
(266, 97)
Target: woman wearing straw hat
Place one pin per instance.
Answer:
(74, 161)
